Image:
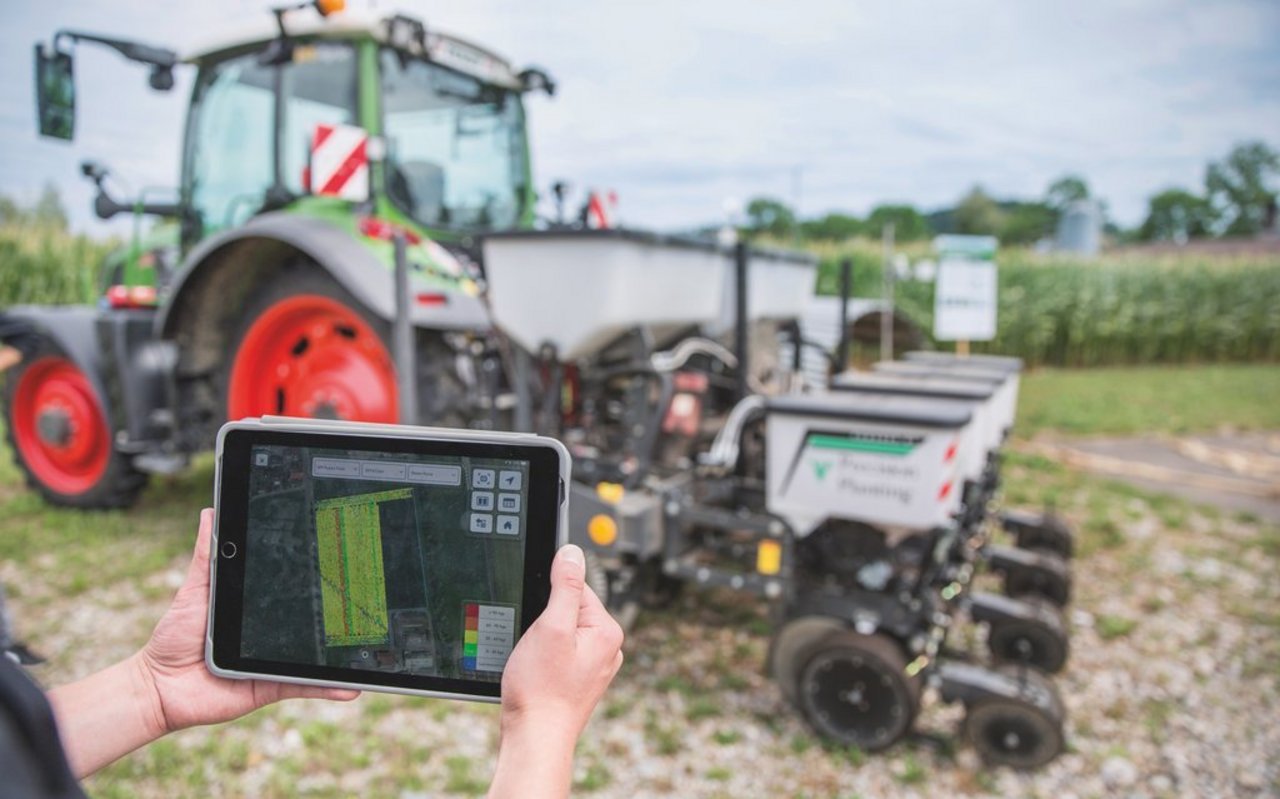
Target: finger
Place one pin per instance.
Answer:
(568, 581)
(198, 572)
(288, 691)
(592, 612)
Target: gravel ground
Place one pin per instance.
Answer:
(1173, 689)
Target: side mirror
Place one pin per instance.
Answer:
(55, 93)
(534, 79)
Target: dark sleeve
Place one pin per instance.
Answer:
(31, 758)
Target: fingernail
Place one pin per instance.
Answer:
(573, 554)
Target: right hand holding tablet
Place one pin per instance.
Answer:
(553, 680)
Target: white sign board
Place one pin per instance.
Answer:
(964, 304)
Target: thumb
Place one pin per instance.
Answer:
(568, 578)
(198, 571)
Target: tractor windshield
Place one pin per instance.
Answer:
(456, 152)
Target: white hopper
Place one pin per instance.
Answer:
(580, 289)
(856, 457)
(1004, 363)
(1006, 382)
(978, 397)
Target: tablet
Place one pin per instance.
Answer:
(380, 557)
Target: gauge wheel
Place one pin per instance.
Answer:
(1035, 687)
(1053, 586)
(1040, 642)
(854, 689)
(1014, 733)
(58, 428)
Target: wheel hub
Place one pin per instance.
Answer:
(53, 426)
(855, 701)
(58, 426)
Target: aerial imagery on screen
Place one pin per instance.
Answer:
(384, 561)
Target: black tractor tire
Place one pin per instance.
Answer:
(1014, 733)
(853, 689)
(440, 389)
(118, 484)
(1042, 644)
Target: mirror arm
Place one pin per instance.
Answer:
(134, 51)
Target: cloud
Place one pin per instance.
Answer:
(680, 105)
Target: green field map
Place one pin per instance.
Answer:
(353, 584)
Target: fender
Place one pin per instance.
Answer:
(73, 329)
(232, 263)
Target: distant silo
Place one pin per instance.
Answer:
(1080, 228)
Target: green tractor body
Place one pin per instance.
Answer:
(313, 153)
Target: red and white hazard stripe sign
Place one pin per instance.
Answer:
(340, 162)
(600, 210)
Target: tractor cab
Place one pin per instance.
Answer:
(413, 127)
(328, 113)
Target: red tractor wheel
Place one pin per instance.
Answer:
(306, 351)
(61, 438)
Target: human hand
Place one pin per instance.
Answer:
(553, 680)
(172, 662)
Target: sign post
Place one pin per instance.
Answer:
(964, 299)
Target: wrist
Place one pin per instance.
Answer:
(535, 758)
(147, 696)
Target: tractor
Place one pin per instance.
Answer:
(316, 156)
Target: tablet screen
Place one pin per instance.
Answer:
(394, 563)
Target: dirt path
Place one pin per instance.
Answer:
(1235, 472)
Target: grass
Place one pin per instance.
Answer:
(1137, 400)
(1110, 627)
(62, 553)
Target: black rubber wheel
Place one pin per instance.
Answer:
(854, 689)
(1009, 732)
(62, 412)
(1051, 535)
(1050, 585)
(1041, 642)
(1036, 688)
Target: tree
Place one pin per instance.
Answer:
(1177, 215)
(1027, 223)
(908, 224)
(774, 217)
(978, 214)
(832, 227)
(1239, 187)
(1066, 190)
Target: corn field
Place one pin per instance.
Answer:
(1055, 312)
(42, 263)
(1108, 311)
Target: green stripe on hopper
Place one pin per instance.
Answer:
(856, 445)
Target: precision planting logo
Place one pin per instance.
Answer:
(820, 469)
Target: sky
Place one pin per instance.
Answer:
(688, 109)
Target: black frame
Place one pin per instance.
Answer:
(545, 494)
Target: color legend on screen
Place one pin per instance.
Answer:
(489, 633)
